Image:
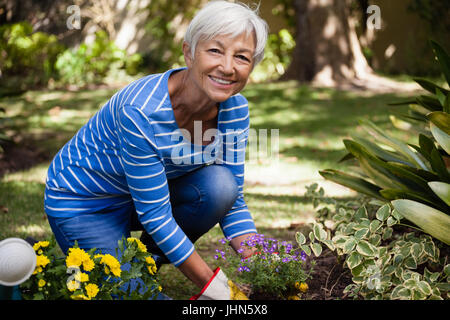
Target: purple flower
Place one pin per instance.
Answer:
(303, 256)
(243, 268)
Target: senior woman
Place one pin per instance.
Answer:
(166, 154)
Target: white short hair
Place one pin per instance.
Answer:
(227, 18)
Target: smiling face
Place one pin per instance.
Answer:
(222, 65)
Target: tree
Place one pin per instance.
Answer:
(327, 49)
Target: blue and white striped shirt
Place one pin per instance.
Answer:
(129, 149)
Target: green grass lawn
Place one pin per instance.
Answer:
(311, 121)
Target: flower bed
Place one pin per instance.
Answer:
(91, 275)
(275, 270)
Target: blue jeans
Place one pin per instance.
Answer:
(199, 200)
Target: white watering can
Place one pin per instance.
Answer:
(17, 261)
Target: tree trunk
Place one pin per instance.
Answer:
(327, 51)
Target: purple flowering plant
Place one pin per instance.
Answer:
(276, 267)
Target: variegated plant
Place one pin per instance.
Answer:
(414, 178)
(382, 266)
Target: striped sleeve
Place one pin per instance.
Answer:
(148, 184)
(238, 220)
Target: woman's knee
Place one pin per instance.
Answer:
(222, 187)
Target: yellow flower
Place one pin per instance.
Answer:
(88, 264)
(91, 290)
(41, 261)
(111, 262)
(75, 257)
(140, 245)
(73, 285)
(151, 269)
(40, 244)
(37, 270)
(79, 297)
(301, 286)
(160, 288)
(78, 257)
(81, 277)
(41, 283)
(293, 298)
(150, 260)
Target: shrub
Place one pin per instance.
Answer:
(386, 261)
(27, 58)
(277, 57)
(414, 178)
(91, 275)
(276, 269)
(92, 63)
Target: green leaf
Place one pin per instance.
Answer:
(387, 234)
(432, 221)
(319, 233)
(443, 286)
(339, 240)
(426, 146)
(442, 190)
(316, 248)
(429, 199)
(349, 245)
(380, 152)
(416, 250)
(329, 244)
(441, 137)
(408, 176)
(447, 103)
(375, 239)
(429, 86)
(429, 249)
(441, 120)
(388, 270)
(306, 249)
(300, 238)
(394, 143)
(443, 58)
(438, 165)
(400, 293)
(374, 225)
(383, 212)
(366, 249)
(428, 102)
(361, 213)
(447, 270)
(311, 236)
(391, 221)
(352, 182)
(440, 95)
(361, 233)
(374, 167)
(353, 260)
(424, 287)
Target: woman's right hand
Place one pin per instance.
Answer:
(196, 270)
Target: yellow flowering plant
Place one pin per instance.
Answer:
(92, 275)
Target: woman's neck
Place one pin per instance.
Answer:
(188, 100)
